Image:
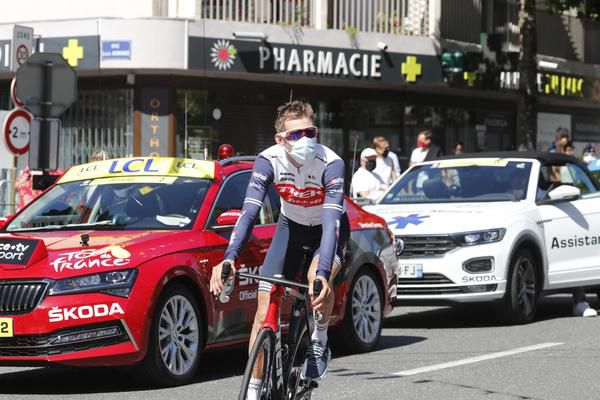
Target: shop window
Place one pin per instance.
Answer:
(99, 119)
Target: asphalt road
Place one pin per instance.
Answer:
(424, 353)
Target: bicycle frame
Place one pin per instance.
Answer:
(282, 363)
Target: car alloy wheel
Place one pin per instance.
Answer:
(363, 318)
(366, 309)
(178, 335)
(521, 290)
(525, 286)
(176, 338)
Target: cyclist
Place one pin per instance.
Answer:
(309, 178)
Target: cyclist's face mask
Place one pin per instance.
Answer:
(385, 153)
(300, 144)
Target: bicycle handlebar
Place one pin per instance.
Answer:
(317, 284)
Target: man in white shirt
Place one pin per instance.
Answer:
(364, 183)
(387, 168)
(420, 152)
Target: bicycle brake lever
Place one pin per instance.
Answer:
(223, 297)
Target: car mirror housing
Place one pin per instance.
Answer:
(229, 217)
(4, 221)
(563, 193)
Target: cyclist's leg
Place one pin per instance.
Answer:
(315, 366)
(343, 237)
(281, 252)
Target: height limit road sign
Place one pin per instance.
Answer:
(46, 84)
(17, 127)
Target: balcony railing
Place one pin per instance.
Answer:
(286, 12)
(383, 16)
(406, 17)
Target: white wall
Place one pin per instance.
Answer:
(43, 10)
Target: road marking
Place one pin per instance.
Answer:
(476, 359)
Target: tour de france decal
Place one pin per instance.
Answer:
(223, 54)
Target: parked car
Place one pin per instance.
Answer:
(111, 266)
(501, 227)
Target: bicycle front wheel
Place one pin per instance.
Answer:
(261, 365)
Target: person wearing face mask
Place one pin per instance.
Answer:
(309, 178)
(459, 148)
(589, 157)
(364, 182)
(387, 168)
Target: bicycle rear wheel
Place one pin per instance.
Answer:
(263, 346)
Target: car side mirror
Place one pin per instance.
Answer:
(229, 217)
(4, 221)
(563, 193)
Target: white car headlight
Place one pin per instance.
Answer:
(479, 237)
(118, 283)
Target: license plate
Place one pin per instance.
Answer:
(6, 327)
(410, 271)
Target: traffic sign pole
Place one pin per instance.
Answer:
(47, 86)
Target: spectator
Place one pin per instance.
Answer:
(99, 155)
(560, 140)
(568, 148)
(458, 148)
(364, 183)
(387, 168)
(428, 151)
(24, 186)
(588, 155)
(581, 308)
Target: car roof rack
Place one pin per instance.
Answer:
(232, 160)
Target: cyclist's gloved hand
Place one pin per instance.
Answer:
(318, 302)
(216, 284)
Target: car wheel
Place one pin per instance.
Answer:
(521, 292)
(176, 338)
(363, 318)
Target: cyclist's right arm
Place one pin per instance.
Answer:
(262, 177)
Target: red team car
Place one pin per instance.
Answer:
(111, 266)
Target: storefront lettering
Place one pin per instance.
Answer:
(321, 63)
(154, 125)
(552, 84)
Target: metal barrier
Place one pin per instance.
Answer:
(7, 192)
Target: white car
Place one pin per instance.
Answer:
(503, 226)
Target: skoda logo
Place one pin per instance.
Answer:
(399, 246)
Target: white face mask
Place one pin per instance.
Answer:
(303, 150)
(588, 158)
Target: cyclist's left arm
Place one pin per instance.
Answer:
(333, 181)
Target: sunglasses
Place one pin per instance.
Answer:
(296, 134)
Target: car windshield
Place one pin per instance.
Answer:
(462, 180)
(115, 203)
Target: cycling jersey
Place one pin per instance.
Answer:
(311, 195)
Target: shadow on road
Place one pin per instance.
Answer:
(64, 380)
(477, 315)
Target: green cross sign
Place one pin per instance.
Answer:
(411, 68)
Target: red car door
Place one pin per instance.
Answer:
(233, 319)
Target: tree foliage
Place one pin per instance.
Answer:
(586, 9)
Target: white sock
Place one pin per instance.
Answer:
(253, 389)
(320, 332)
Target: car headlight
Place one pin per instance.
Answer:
(479, 237)
(118, 283)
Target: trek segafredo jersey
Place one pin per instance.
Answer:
(311, 195)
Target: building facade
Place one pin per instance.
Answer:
(178, 78)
